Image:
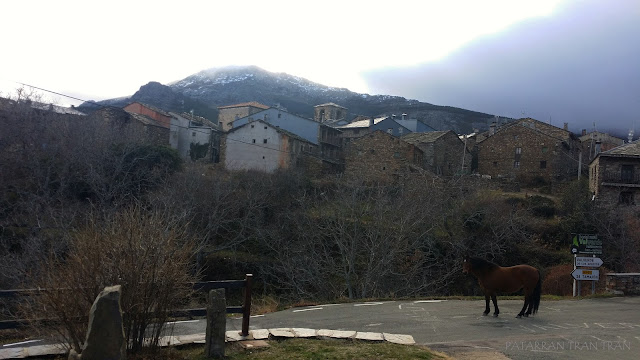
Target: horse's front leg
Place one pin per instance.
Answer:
(487, 309)
(495, 305)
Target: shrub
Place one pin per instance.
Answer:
(145, 252)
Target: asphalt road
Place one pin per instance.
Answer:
(568, 329)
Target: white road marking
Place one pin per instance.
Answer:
(559, 326)
(400, 306)
(377, 324)
(310, 309)
(255, 316)
(182, 322)
(22, 342)
(324, 305)
(428, 301)
(460, 316)
(597, 338)
(369, 304)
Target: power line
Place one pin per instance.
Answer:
(194, 129)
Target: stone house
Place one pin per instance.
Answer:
(160, 116)
(529, 150)
(359, 128)
(596, 142)
(261, 146)
(136, 125)
(381, 157)
(195, 137)
(329, 113)
(326, 138)
(444, 152)
(229, 113)
(614, 175)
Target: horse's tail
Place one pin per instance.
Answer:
(537, 293)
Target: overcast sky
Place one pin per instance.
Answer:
(558, 60)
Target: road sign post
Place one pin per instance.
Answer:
(584, 274)
(585, 244)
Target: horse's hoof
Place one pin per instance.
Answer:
(485, 314)
(519, 316)
(495, 315)
(526, 315)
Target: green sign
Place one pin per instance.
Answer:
(587, 244)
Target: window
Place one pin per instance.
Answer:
(400, 131)
(390, 130)
(545, 149)
(626, 197)
(254, 141)
(193, 133)
(265, 127)
(396, 155)
(518, 150)
(626, 173)
(264, 141)
(516, 164)
(495, 164)
(515, 137)
(279, 116)
(252, 126)
(543, 164)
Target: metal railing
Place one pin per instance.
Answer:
(205, 286)
(617, 177)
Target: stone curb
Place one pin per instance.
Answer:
(231, 336)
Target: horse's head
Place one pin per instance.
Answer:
(466, 264)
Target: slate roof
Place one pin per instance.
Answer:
(197, 119)
(278, 129)
(419, 138)
(362, 123)
(626, 150)
(146, 120)
(250, 103)
(331, 104)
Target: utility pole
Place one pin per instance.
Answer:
(579, 164)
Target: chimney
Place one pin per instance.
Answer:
(598, 147)
(371, 123)
(404, 116)
(492, 129)
(393, 116)
(566, 126)
(584, 132)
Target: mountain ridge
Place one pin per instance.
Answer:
(210, 88)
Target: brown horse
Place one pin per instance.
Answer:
(493, 278)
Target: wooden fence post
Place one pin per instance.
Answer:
(216, 324)
(246, 307)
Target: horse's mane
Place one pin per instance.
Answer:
(482, 264)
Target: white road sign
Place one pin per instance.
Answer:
(588, 261)
(582, 274)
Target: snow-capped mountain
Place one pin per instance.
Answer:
(237, 84)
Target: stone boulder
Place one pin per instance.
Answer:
(105, 337)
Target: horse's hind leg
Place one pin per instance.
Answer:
(487, 309)
(530, 309)
(524, 307)
(495, 305)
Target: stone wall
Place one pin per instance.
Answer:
(380, 157)
(524, 153)
(623, 283)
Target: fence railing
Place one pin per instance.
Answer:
(616, 177)
(204, 286)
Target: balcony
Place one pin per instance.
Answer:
(620, 178)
